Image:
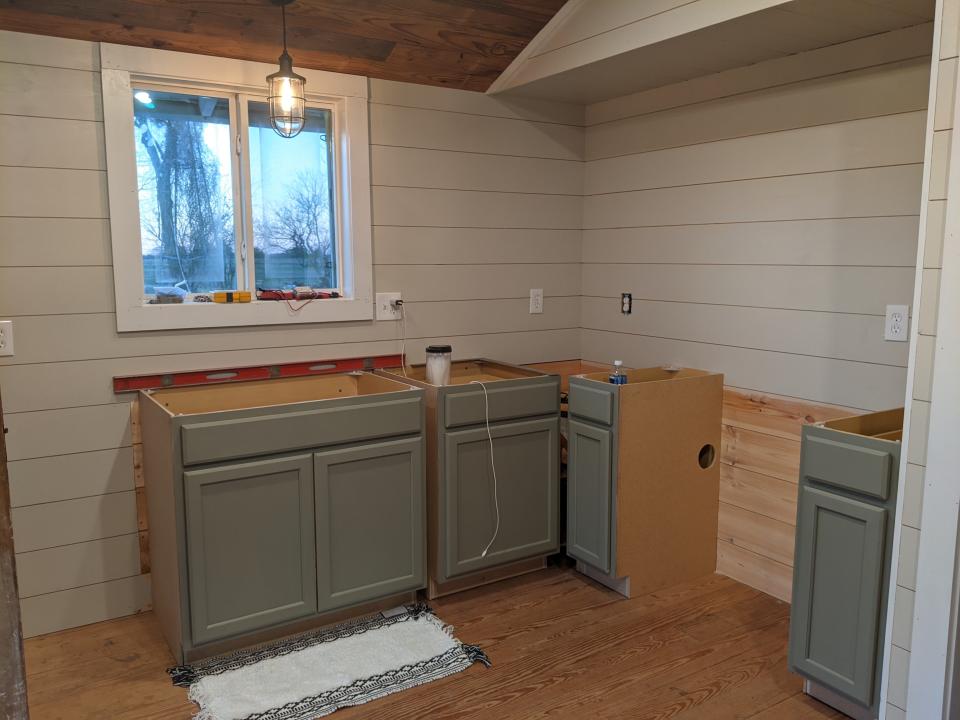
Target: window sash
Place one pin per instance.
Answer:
(240, 171)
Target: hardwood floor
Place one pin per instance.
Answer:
(561, 646)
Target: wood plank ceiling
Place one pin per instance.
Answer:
(452, 43)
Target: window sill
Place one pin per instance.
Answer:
(211, 315)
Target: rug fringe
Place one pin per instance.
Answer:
(475, 654)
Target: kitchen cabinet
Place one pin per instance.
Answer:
(463, 498)
(643, 477)
(845, 511)
(274, 503)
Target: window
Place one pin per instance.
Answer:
(205, 196)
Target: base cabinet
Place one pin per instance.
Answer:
(370, 514)
(589, 493)
(250, 547)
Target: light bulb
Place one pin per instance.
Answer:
(286, 95)
(143, 96)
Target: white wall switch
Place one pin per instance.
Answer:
(536, 301)
(6, 337)
(896, 325)
(386, 309)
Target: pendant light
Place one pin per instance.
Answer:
(285, 89)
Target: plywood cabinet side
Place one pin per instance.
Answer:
(166, 522)
(666, 503)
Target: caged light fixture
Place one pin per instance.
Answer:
(285, 89)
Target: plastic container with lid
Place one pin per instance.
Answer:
(438, 364)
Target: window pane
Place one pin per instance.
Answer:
(186, 191)
(294, 216)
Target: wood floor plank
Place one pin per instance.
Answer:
(562, 646)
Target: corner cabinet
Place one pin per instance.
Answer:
(845, 510)
(274, 503)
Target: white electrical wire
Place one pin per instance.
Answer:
(403, 339)
(493, 467)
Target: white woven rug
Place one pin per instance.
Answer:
(313, 675)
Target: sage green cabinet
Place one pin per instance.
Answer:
(526, 455)
(244, 521)
(589, 493)
(370, 514)
(844, 544)
(837, 610)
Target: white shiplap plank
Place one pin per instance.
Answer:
(867, 93)
(950, 29)
(849, 193)
(450, 100)
(831, 335)
(46, 192)
(909, 548)
(946, 91)
(30, 49)
(474, 246)
(27, 90)
(888, 140)
(940, 164)
(81, 606)
(458, 208)
(923, 370)
(919, 426)
(903, 617)
(415, 167)
(60, 338)
(73, 521)
(55, 290)
(851, 384)
(51, 143)
(412, 127)
(929, 302)
(936, 226)
(899, 675)
(829, 289)
(71, 430)
(890, 241)
(913, 496)
(468, 282)
(26, 242)
(64, 477)
(76, 565)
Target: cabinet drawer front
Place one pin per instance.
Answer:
(507, 401)
(835, 615)
(527, 493)
(250, 553)
(859, 469)
(592, 403)
(371, 529)
(270, 433)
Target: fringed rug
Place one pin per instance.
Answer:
(313, 675)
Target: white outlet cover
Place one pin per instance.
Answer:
(6, 338)
(896, 324)
(536, 301)
(385, 310)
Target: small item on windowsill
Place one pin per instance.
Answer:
(300, 293)
(169, 295)
(232, 296)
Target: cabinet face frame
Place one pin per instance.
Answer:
(325, 464)
(195, 482)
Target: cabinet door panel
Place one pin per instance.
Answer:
(526, 455)
(835, 616)
(370, 521)
(250, 546)
(589, 494)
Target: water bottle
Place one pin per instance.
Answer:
(618, 377)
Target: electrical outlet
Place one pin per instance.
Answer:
(386, 309)
(626, 303)
(896, 324)
(536, 301)
(6, 337)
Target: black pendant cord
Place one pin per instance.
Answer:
(283, 20)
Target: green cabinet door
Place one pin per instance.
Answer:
(250, 547)
(835, 617)
(526, 455)
(590, 494)
(370, 514)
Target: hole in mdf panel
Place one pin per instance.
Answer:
(707, 456)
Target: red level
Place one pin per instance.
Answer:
(132, 383)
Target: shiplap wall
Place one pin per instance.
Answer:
(475, 201)
(931, 262)
(762, 231)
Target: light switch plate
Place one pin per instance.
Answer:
(897, 323)
(6, 338)
(386, 310)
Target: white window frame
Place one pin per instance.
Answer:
(346, 95)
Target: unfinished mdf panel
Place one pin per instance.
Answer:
(63, 417)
